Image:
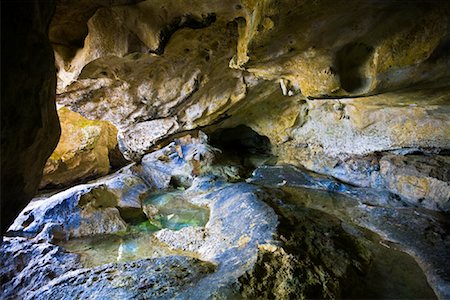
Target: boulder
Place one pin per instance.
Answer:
(88, 209)
(83, 151)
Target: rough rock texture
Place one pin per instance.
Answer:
(26, 265)
(324, 136)
(418, 232)
(228, 244)
(163, 278)
(380, 71)
(83, 151)
(83, 210)
(316, 260)
(340, 48)
(29, 123)
(183, 160)
(419, 179)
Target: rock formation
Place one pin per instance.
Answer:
(85, 149)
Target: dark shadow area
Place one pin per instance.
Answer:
(349, 61)
(242, 147)
(241, 140)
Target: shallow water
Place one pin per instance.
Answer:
(175, 212)
(104, 249)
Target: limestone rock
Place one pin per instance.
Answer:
(179, 162)
(421, 233)
(341, 48)
(29, 123)
(83, 150)
(83, 210)
(150, 97)
(227, 245)
(163, 278)
(421, 180)
(26, 266)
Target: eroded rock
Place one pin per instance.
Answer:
(421, 180)
(84, 150)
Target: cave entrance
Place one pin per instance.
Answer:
(244, 147)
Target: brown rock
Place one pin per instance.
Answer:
(82, 152)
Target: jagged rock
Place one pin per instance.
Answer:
(83, 151)
(181, 161)
(228, 245)
(341, 48)
(160, 94)
(421, 233)
(421, 180)
(26, 266)
(162, 278)
(84, 209)
(239, 221)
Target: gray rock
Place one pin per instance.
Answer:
(227, 246)
(239, 222)
(179, 162)
(26, 265)
(163, 278)
(84, 209)
(421, 233)
(287, 175)
(421, 180)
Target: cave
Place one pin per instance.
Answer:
(228, 149)
(240, 140)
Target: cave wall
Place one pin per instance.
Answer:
(29, 123)
(343, 88)
(173, 67)
(332, 84)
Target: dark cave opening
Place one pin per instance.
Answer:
(243, 147)
(241, 140)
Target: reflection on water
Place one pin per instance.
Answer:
(172, 211)
(166, 211)
(103, 249)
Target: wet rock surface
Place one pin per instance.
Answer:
(349, 89)
(285, 233)
(207, 258)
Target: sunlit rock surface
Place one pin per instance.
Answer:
(84, 150)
